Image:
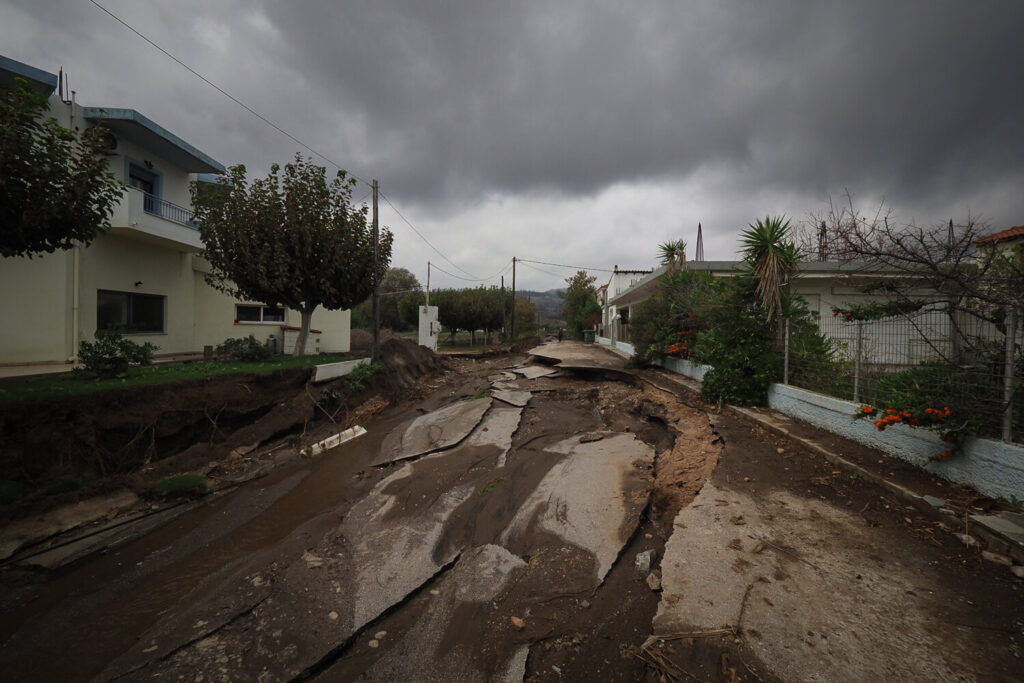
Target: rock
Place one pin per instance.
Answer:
(374, 644)
(379, 635)
(585, 604)
(312, 561)
(1018, 571)
(654, 580)
(434, 591)
(644, 560)
(591, 437)
(967, 540)
(517, 623)
(934, 502)
(997, 558)
(780, 451)
(332, 615)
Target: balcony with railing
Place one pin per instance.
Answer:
(169, 210)
(145, 216)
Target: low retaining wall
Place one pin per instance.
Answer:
(625, 347)
(684, 367)
(992, 467)
(330, 371)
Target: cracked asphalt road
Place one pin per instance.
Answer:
(488, 532)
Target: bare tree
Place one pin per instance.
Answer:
(948, 265)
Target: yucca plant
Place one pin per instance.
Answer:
(772, 257)
(673, 251)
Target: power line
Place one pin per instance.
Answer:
(226, 94)
(278, 128)
(562, 265)
(434, 266)
(539, 270)
(439, 252)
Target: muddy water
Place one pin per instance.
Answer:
(92, 613)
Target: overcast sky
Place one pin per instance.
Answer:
(580, 133)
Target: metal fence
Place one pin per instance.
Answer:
(933, 356)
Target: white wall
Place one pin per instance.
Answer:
(35, 306)
(215, 320)
(117, 263)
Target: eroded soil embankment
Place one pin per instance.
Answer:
(105, 439)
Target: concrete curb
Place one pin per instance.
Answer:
(997, 532)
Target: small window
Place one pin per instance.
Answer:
(254, 313)
(129, 311)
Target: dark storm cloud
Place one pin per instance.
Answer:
(887, 97)
(578, 131)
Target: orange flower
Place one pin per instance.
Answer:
(867, 409)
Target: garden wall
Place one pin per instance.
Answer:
(992, 467)
(625, 347)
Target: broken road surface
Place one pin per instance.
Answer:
(488, 533)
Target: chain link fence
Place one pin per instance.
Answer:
(931, 357)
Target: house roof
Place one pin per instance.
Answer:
(1009, 233)
(142, 131)
(646, 287)
(43, 82)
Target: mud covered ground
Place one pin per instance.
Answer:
(509, 554)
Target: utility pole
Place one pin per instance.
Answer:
(512, 326)
(375, 353)
(504, 309)
(428, 283)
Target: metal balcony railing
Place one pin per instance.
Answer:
(169, 210)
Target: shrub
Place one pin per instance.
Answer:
(181, 485)
(356, 380)
(111, 354)
(245, 349)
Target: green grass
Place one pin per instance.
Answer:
(33, 388)
(180, 485)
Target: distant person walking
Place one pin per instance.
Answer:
(561, 332)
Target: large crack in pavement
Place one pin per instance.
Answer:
(485, 531)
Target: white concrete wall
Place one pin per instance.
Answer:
(992, 467)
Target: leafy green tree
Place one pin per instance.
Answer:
(396, 283)
(409, 308)
(580, 301)
(294, 239)
(56, 187)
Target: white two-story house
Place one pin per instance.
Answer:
(146, 275)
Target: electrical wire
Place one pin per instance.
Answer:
(281, 130)
(472, 277)
(228, 95)
(539, 270)
(434, 266)
(562, 265)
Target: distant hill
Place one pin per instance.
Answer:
(548, 303)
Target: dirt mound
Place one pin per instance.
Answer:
(361, 342)
(138, 435)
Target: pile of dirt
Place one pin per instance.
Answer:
(135, 436)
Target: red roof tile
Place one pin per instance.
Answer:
(1017, 231)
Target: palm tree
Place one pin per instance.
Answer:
(772, 257)
(673, 251)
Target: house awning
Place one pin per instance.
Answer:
(142, 131)
(42, 82)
